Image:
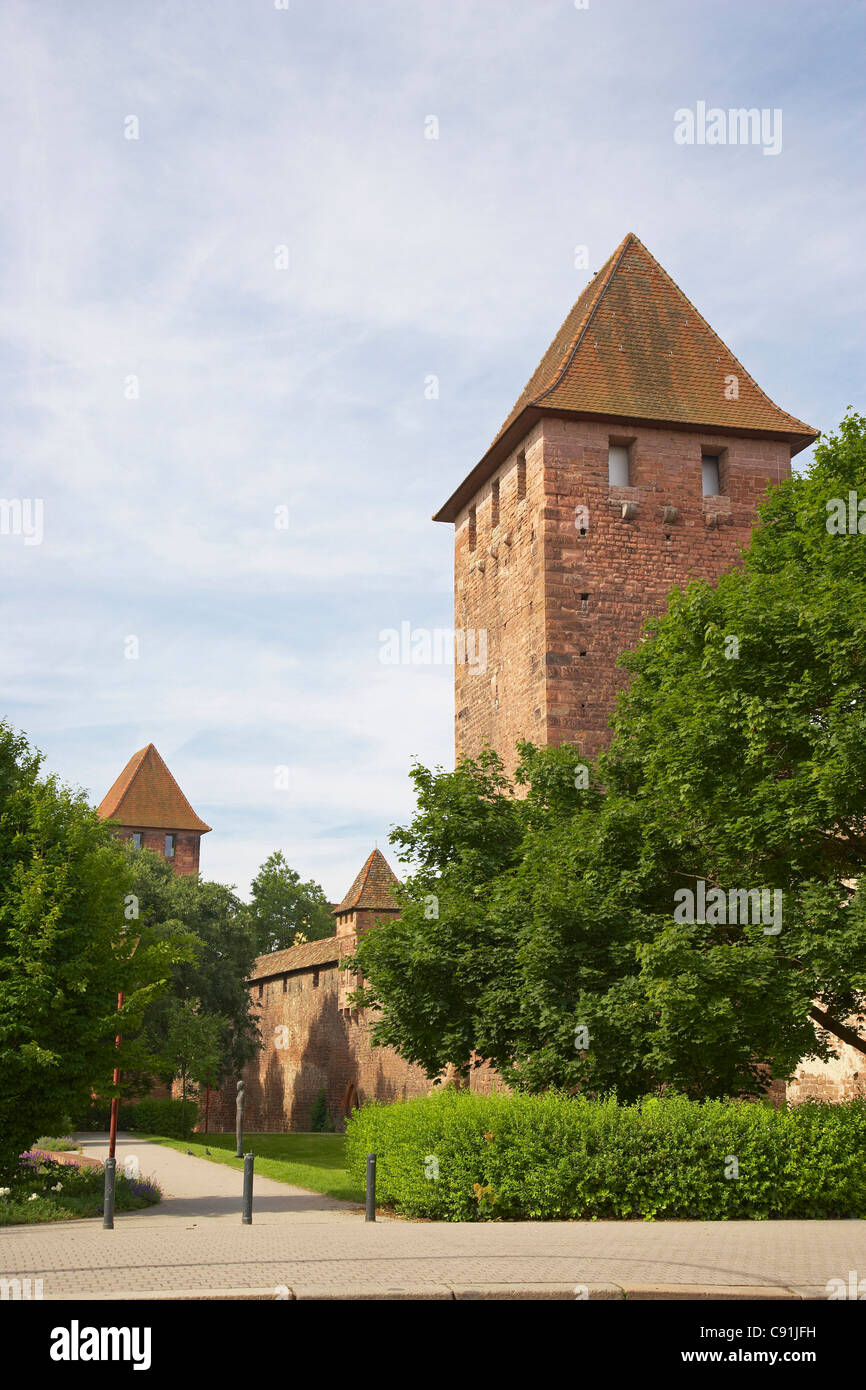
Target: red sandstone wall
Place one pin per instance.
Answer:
(627, 568)
(842, 1078)
(551, 654)
(499, 590)
(310, 1043)
(186, 849)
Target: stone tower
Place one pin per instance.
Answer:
(368, 900)
(152, 810)
(635, 458)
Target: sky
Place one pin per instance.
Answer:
(274, 274)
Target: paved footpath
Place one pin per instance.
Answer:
(302, 1245)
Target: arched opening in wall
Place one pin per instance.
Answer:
(352, 1100)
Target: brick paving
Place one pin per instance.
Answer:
(303, 1245)
(195, 1189)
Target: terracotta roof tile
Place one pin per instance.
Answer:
(146, 795)
(372, 887)
(634, 347)
(322, 952)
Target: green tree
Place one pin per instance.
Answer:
(435, 970)
(546, 932)
(65, 952)
(211, 931)
(742, 737)
(320, 1120)
(286, 911)
(193, 1048)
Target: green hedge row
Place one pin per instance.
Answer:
(454, 1156)
(147, 1116)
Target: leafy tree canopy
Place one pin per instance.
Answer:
(212, 933)
(545, 926)
(68, 946)
(286, 911)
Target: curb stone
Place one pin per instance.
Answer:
(464, 1293)
(565, 1292)
(638, 1292)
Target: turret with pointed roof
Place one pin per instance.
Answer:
(635, 457)
(369, 898)
(150, 808)
(367, 902)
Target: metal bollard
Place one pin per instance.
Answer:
(108, 1202)
(247, 1218)
(370, 1214)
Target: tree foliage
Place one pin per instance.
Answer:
(215, 943)
(65, 952)
(285, 911)
(540, 926)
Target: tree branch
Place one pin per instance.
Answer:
(839, 1030)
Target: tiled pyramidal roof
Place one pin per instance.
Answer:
(634, 347)
(372, 887)
(146, 795)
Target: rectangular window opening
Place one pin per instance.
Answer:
(494, 505)
(618, 471)
(710, 483)
(521, 478)
(473, 536)
(169, 846)
(137, 838)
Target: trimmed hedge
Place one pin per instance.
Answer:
(553, 1157)
(147, 1116)
(171, 1118)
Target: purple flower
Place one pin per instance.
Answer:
(145, 1188)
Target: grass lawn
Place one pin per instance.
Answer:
(314, 1161)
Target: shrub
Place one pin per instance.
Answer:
(320, 1120)
(95, 1117)
(172, 1118)
(454, 1156)
(148, 1116)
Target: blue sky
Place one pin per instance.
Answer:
(258, 387)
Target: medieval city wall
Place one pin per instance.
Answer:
(310, 1044)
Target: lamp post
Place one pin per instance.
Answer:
(115, 1079)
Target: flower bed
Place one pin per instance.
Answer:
(66, 1186)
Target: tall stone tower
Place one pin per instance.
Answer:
(634, 459)
(152, 810)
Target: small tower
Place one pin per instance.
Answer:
(635, 458)
(368, 900)
(153, 812)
